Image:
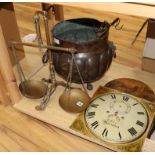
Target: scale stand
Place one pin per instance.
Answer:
(52, 82)
(51, 89)
(47, 57)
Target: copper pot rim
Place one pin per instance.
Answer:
(78, 44)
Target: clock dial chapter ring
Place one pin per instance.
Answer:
(114, 120)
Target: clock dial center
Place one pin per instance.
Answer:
(120, 107)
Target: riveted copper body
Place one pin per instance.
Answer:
(94, 54)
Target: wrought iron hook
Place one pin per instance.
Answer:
(116, 24)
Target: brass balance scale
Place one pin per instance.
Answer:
(119, 115)
(40, 89)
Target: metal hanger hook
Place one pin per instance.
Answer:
(117, 27)
(116, 24)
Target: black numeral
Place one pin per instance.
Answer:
(91, 114)
(140, 123)
(101, 99)
(94, 125)
(125, 98)
(120, 136)
(105, 132)
(140, 113)
(94, 105)
(113, 96)
(132, 131)
(134, 104)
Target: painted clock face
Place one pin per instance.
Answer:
(116, 117)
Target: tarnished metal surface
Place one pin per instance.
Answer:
(94, 51)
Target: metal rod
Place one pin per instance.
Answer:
(59, 49)
(46, 28)
(19, 68)
(38, 31)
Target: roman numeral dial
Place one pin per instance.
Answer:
(116, 117)
(91, 114)
(132, 131)
(125, 98)
(140, 113)
(94, 105)
(101, 99)
(120, 136)
(134, 104)
(95, 124)
(140, 123)
(113, 96)
(105, 132)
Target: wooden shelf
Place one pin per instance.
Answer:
(133, 9)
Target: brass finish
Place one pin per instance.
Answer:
(36, 89)
(58, 49)
(38, 31)
(74, 100)
(33, 89)
(79, 125)
(28, 88)
(45, 18)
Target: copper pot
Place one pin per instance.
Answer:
(94, 51)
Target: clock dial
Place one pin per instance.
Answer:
(116, 117)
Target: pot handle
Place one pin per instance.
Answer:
(112, 47)
(116, 24)
(104, 27)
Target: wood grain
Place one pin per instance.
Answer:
(23, 133)
(4, 98)
(136, 9)
(7, 18)
(19, 132)
(8, 75)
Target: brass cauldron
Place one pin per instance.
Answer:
(94, 51)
